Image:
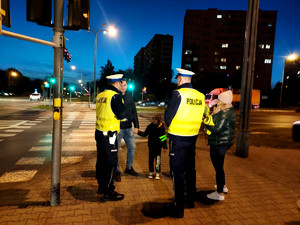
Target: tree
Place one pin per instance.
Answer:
(105, 71)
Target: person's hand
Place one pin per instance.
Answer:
(135, 130)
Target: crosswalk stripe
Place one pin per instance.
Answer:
(40, 148)
(79, 148)
(17, 176)
(31, 161)
(13, 130)
(7, 135)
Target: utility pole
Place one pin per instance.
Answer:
(243, 134)
(58, 39)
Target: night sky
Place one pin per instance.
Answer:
(137, 22)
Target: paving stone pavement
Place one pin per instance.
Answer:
(263, 189)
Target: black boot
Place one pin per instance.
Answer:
(112, 196)
(174, 210)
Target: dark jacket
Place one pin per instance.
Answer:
(117, 106)
(223, 131)
(154, 132)
(131, 114)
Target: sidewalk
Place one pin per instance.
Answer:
(263, 189)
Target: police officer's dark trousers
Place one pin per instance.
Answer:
(182, 165)
(107, 157)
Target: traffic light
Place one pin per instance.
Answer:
(67, 55)
(46, 84)
(52, 80)
(39, 11)
(131, 86)
(72, 88)
(144, 90)
(78, 14)
(5, 13)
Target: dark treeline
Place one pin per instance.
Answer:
(13, 81)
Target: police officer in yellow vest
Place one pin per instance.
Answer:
(109, 110)
(183, 117)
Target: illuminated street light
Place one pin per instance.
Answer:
(290, 57)
(111, 32)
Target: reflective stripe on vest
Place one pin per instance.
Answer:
(105, 118)
(188, 118)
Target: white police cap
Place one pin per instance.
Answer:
(184, 73)
(114, 78)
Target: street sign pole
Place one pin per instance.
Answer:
(58, 39)
(243, 134)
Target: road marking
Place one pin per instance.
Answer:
(79, 148)
(30, 124)
(31, 161)
(7, 135)
(40, 148)
(7, 124)
(21, 127)
(13, 130)
(17, 176)
(71, 159)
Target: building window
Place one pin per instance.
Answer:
(223, 59)
(225, 45)
(268, 46)
(195, 59)
(261, 46)
(216, 53)
(270, 25)
(188, 66)
(223, 67)
(188, 52)
(237, 67)
(219, 16)
(268, 61)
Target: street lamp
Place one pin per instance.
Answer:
(111, 32)
(290, 57)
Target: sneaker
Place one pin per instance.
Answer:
(157, 177)
(216, 196)
(113, 196)
(131, 172)
(225, 189)
(150, 176)
(117, 176)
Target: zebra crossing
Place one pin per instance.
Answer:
(78, 142)
(10, 128)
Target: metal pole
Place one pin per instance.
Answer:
(280, 97)
(50, 95)
(95, 55)
(58, 39)
(70, 95)
(89, 94)
(243, 134)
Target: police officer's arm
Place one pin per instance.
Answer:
(118, 107)
(172, 107)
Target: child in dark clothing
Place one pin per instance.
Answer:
(155, 130)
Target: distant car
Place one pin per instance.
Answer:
(162, 104)
(148, 103)
(35, 97)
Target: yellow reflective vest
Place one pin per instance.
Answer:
(188, 118)
(106, 120)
